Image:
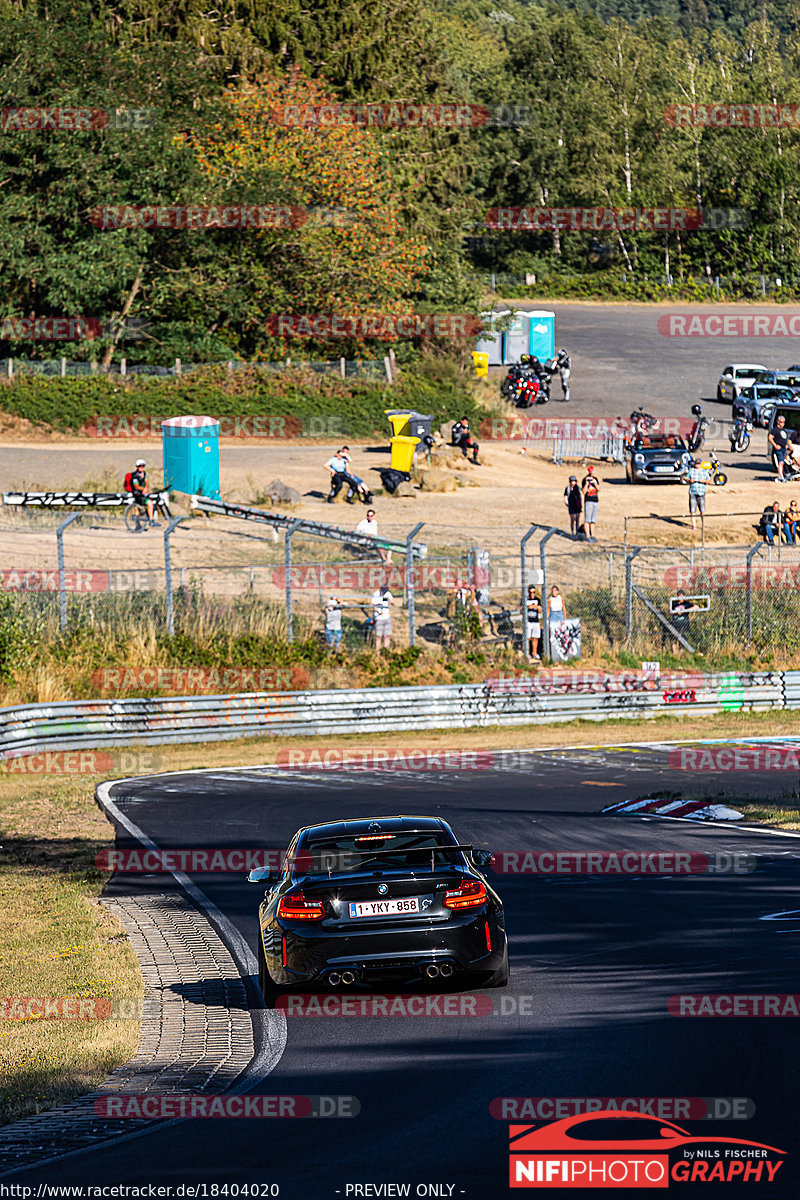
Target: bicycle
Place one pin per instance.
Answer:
(136, 518)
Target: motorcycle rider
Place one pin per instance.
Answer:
(564, 365)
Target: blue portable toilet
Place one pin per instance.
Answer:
(541, 333)
(190, 448)
(532, 332)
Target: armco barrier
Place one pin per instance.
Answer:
(70, 725)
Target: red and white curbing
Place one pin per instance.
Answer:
(694, 810)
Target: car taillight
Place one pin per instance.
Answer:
(295, 907)
(471, 894)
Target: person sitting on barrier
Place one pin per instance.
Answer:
(339, 467)
(369, 526)
(791, 520)
(461, 435)
(771, 523)
(139, 488)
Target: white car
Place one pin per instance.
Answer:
(734, 378)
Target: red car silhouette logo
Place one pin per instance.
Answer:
(637, 1132)
(615, 1149)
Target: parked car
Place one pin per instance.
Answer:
(735, 377)
(656, 458)
(789, 378)
(757, 402)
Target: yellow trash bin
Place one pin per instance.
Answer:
(402, 452)
(481, 361)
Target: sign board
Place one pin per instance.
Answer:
(679, 605)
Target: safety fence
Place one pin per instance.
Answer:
(609, 446)
(37, 728)
(223, 574)
(345, 368)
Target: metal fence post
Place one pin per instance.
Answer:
(523, 563)
(629, 593)
(750, 556)
(545, 610)
(410, 580)
(168, 573)
(287, 566)
(62, 586)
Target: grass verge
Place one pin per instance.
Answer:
(58, 941)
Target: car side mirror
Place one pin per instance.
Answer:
(482, 858)
(260, 875)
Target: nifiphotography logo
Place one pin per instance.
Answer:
(615, 1149)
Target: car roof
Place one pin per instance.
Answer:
(751, 366)
(365, 825)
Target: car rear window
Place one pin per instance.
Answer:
(349, 854)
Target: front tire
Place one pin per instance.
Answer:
(720, 397)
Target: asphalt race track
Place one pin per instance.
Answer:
(594, 960)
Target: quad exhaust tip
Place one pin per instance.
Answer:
(446, 970)
(348, 977)
(334, 978)
(432, 971)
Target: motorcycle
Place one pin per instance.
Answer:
(713, 465)
(528, 391)
(508, 388)
(642, 423)
(739, 436)
(699, 429)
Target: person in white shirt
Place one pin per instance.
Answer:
(381, 599)
(369, 526)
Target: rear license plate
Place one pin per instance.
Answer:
(385, 908)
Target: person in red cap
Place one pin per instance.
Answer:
(590, 486)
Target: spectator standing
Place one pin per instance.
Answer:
(778, 440)
(533, 615)
(590, 486)
(381, 600)
(679, 619)
(791, 520)
(564, 364)
(333, 623)
(771, 522)
(556, 612)
(369, 526)
(697, 478)
(573, 498)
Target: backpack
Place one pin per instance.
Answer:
(128, 486)
(391, 477)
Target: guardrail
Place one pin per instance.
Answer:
(610, 445)
(70, 725)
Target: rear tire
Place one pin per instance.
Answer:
(500, 977)
(720, 479)
(269, 989)
(133, 520)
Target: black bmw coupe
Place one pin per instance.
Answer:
(388, 899)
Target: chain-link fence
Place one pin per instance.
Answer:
(447, 589)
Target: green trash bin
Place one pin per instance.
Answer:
(403, 452)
